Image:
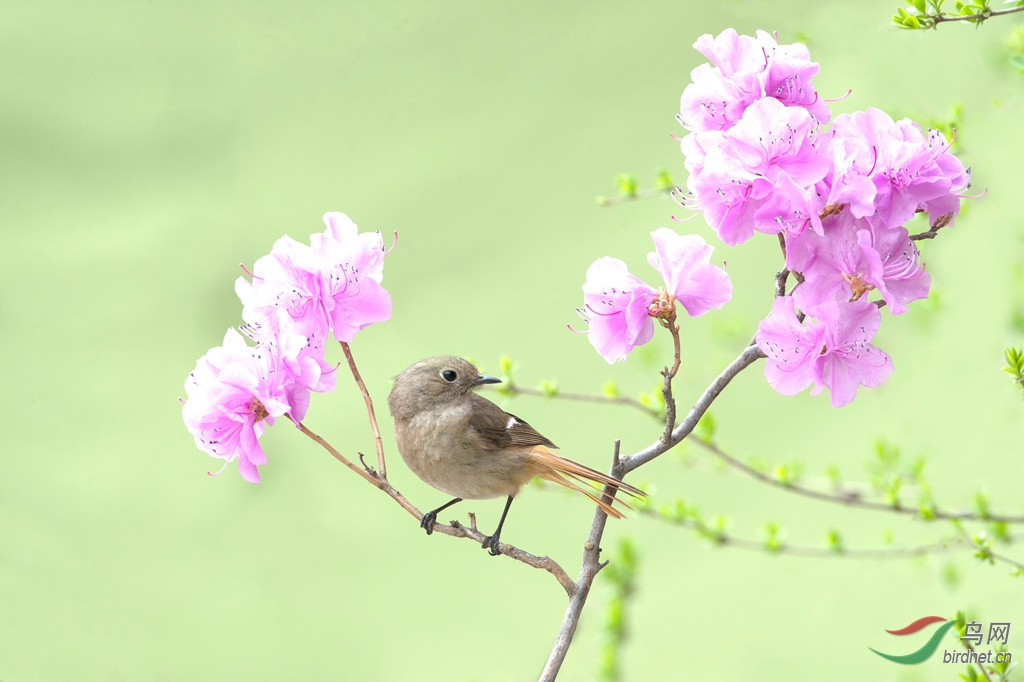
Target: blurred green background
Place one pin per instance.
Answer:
(148, 148)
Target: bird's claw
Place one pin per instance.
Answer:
(490, 543)
(428, 521)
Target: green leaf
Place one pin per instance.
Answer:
(788, 473)
(834, 540)
(981, 504)
(610, 389)
(961, 622)
(774, 536)
(549, 388)
(663, 180)
(970, 675)
(627, 184)
(505, 363)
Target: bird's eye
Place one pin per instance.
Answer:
(449, 376)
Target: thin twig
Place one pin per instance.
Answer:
(666, 389)
(640, 194)
(589, 569)
(723, 540)
(853, 498)
(513, 389)
(780, 282)
(340, 457)
(927, 234)
(941, 18)
(382, 470)
(849, 500)
(749, 355)
(1006, 560)
(456, 530)
(933, 230)
(970, 648)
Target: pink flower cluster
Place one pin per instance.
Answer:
(761, 160)
(620, 307)
(298, 295)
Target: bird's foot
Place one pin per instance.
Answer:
(428, 521)
(490, 543)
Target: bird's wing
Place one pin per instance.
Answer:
(498, 429)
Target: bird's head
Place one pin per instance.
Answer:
(432, 383)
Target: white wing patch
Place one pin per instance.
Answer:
(511, 422)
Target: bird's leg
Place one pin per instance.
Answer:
(491, 543)
(428, 520)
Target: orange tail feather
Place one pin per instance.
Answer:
(578, 477)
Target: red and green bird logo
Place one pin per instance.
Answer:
(930, 646)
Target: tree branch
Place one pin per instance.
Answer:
(456, 530)
(941, 18)
(666, 389)
(513, 390)
(724, 540)
(589, 569)
(382, 470)
(849, 500)
(749, 355)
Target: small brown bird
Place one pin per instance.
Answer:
(468, 447)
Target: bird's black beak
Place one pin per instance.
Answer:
(486, 380)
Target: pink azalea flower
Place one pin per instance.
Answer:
(759, 174)
(746, 69)
(620, 307)
(615, 303)
(301, 356)
(848, 181)
(830, 350)
(790, 209)
(234, 392)
(853, 258)
(903, 274)
(334, 284)
(684, 262)
(788, 78)
(911, 172)
(727, 193)
(771, 137)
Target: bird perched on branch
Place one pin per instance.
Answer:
(466, 446)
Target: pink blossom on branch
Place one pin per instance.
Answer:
(620, 307)
(911, 172)
(744, 69)
(234, 392)
(684, 263)
(615, 304)
(759, 174)
(299, 293)
(830, 349)
(333, 284)
(854, 257)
